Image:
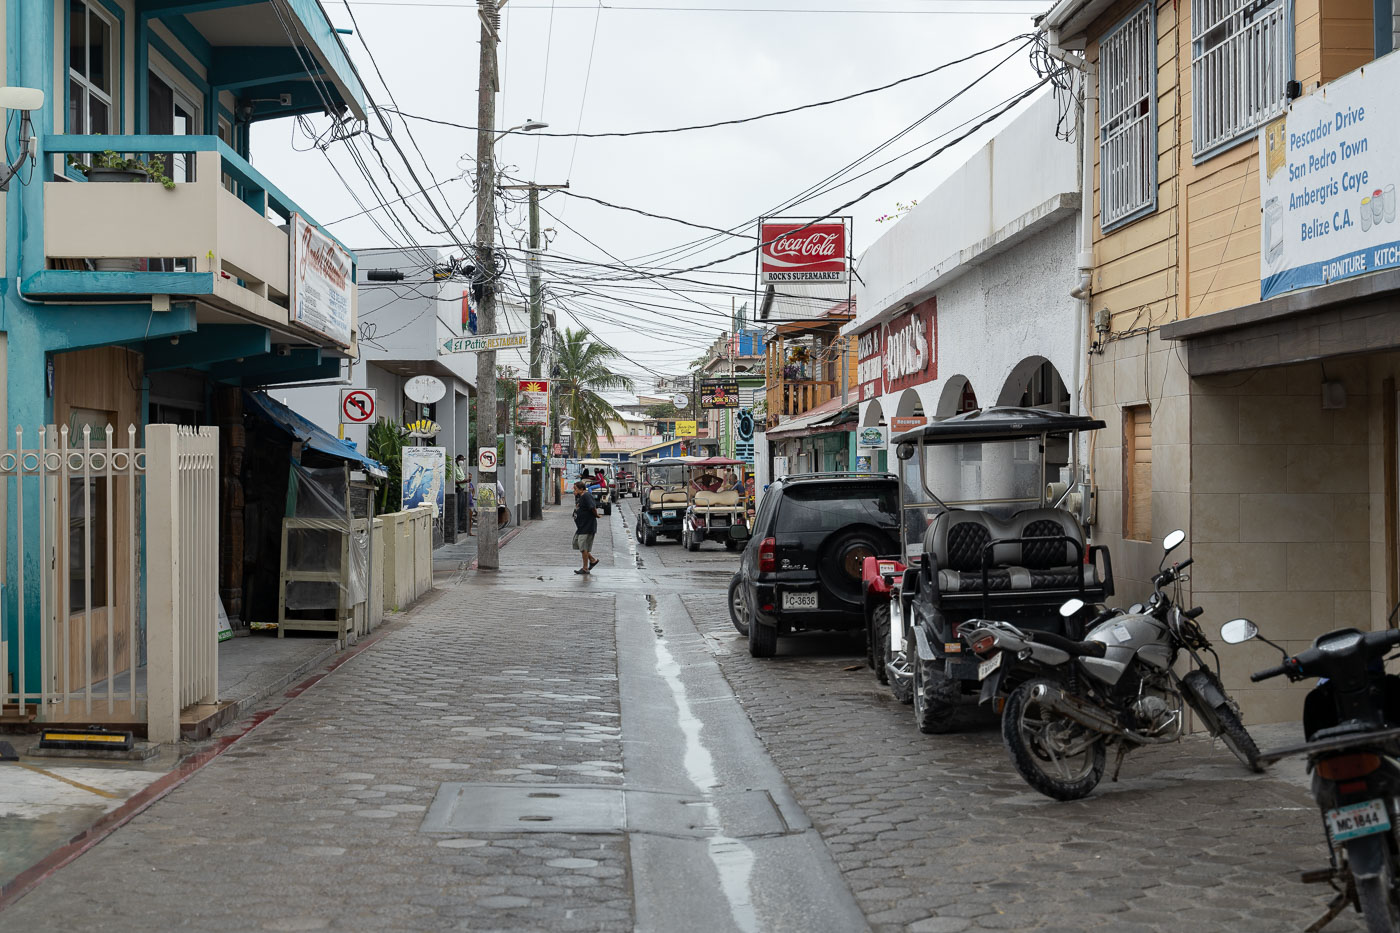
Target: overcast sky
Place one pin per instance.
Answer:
(655, 68)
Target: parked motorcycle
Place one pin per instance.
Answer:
(1349, 722)
(1067, 701)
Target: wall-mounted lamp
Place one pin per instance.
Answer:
(23, 99)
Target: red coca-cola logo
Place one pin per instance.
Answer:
(792, 249)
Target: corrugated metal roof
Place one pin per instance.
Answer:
(804, 301)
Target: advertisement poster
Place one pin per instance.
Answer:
(1327, 190)
(685, 428)
(802, 251)
(322, 282)
(424, 477)
(532, 401)
(871, 437)
(719, 393)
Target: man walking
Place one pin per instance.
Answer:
(585, 525)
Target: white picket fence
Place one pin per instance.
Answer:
(124, 615)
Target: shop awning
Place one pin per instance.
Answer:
(312, 436)
(819, 420)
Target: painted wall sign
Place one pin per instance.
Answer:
(323, 282)
(532, 401)
(799, 251)
(1330, 167)
(424, 477)
(908, 423)
(909, 356)
(870, 364)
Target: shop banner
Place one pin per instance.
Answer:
(322, 282)
(424, 477)
(1328, 186)
(719, 393)
(686, 428)
(532, 401)
(870, 364)
(800, 251)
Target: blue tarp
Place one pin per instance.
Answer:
(309, 433)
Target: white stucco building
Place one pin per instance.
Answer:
(965, 301)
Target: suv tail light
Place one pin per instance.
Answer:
(767, 561)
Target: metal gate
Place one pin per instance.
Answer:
(113, 576)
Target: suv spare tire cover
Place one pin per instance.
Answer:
(841, 557)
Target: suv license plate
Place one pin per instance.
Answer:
(988, 666)
(669, 513)
(806, 600)
(1359, 819)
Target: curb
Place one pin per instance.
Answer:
(241, 707)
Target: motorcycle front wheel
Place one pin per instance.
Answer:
(1053, 753)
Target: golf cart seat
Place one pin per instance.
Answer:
(716, 501)
(659, 497)
(958, 539)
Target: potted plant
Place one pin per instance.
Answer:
(109, 166)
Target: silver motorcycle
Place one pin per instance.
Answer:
(1064, 702)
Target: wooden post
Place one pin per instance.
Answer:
(1389, 455)
(163, 574)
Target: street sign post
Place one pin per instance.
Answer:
(357, 406)
(483, 342)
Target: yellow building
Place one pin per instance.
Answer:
(1243, 348)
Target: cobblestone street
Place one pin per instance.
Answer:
(701, 790)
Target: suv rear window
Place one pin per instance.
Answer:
(830, 506)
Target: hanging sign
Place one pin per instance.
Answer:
(685, 429)
(870, 364)
(871, 437)
(532, 401)
(483, 342)
(322, 284)
(798, 251)
(743, 436)
(719, 393)
(679, 400)
(424, 481)
(356, 406)
(908, 423)
(1327, 186)
(425, 389)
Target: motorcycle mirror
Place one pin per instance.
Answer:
(1071, 606)
(904, 451)
(1173, 540)
(1238, 630)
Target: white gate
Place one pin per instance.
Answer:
(124, 616)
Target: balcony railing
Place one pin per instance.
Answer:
(221, 236)
(790, 399)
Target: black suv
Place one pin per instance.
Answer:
(802, 567)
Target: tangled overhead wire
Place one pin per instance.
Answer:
(1067, 83)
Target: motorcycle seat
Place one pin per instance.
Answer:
(1075, 649)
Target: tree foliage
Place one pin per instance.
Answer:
(584, 370)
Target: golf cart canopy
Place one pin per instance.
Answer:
(718, 461)
(999, 424)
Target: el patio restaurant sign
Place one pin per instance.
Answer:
(900, 354)
(321, 282)
(800, 251)
(1331, 164)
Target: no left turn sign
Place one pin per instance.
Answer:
(356, 406)
(486, 460)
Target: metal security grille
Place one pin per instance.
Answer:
(1239, 68)
(1127, 125)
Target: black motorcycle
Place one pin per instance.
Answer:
(1349, 722)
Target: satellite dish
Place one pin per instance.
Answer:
(679, 400)
(424, 389)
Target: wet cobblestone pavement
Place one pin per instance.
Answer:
(315, 819)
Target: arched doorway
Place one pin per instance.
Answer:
(957, 397)
(1035, 383)
(910, 405)
(874, 415)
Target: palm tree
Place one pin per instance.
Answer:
(583, 369)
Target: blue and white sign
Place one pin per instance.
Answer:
(1327, 192)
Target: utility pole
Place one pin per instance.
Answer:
(536, 351)
(488, 534)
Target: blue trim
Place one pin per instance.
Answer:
(178, 61)
(1382, 23)
(212, 343)
(1373, 258)
(64, 282)
(86, 326)
(236, 67)
(118, 108)
(189, 37)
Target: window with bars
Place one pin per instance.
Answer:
(91, 68)
(1127, 119)
(1240, 66)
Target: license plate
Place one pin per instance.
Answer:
(800, 600)
(669, 513)
(988, 666)
(1359, 819)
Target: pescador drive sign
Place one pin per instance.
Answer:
(1329, 183)
(796, 251)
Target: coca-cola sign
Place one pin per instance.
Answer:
(798, 251)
